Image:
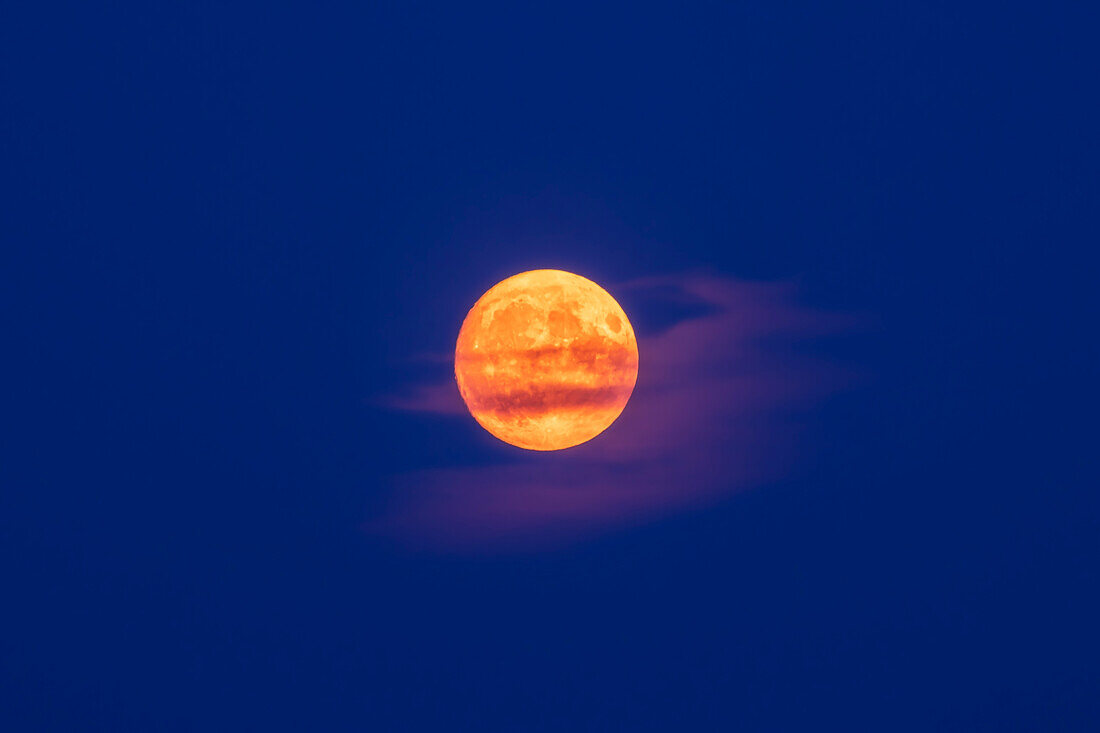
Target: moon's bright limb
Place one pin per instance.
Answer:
(546, 360)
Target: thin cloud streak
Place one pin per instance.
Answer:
(715, 411)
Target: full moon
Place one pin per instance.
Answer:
(546, 360)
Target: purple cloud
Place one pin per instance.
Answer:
(715, 411)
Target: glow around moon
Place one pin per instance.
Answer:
(546, 360)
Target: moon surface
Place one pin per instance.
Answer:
(546, 360)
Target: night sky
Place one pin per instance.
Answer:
(855, 488)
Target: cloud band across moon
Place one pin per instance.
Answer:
(721, 406)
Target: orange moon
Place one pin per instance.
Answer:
(546, 360)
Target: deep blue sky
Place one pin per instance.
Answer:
(227, 228)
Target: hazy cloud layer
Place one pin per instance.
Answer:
(716, 410)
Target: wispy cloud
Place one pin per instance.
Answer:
(716, 410)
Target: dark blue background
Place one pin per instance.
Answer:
(227, 226)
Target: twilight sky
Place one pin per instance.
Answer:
(854, 490)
